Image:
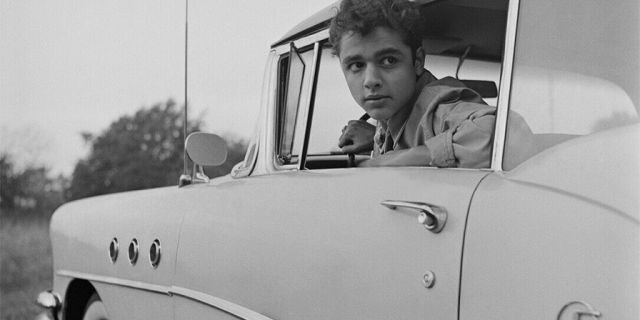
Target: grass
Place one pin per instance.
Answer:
(25, 264)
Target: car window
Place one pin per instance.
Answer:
(334, 105)
(292, 75)
(575, 73)
(463, 40)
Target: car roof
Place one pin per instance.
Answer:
(451, 26)
(318, 21)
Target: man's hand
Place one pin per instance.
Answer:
(357, 136)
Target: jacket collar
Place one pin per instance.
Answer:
(395, 125)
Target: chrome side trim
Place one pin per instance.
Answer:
(116, 281)
(218, 303)
(215, 302)
(505, 86)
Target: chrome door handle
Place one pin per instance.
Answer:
(430, 216)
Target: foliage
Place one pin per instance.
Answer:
(8, 181)
(30, 189)
(139, 151)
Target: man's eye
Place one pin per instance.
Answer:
(388, 61)
(355, 66)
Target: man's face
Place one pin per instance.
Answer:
(380, 71)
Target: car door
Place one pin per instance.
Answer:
(291, 243)
(556, 234)
(319, 245)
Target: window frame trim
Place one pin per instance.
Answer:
(504, 92)
(313, 41)
(315, 66)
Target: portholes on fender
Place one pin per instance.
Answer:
(113, 250)
(154, 253)
(133, 251)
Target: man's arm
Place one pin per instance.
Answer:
(466, 144)
(416, 156)
(357, 136)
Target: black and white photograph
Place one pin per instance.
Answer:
(319, 159)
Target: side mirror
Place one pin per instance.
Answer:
(206, 149)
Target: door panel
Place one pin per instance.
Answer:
(534, 249)
(318, 245)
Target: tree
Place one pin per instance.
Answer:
(26, 185)
(29, 189)
(9, 186)
(139, 151)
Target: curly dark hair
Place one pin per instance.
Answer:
(363, 16)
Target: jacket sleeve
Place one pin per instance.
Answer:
(463, 135)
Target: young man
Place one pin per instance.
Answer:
(422, 121)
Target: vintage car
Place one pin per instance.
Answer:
(551, 230)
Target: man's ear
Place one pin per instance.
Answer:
(418, 63)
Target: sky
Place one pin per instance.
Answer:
(72, 66)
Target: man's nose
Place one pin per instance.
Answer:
(372, 79)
